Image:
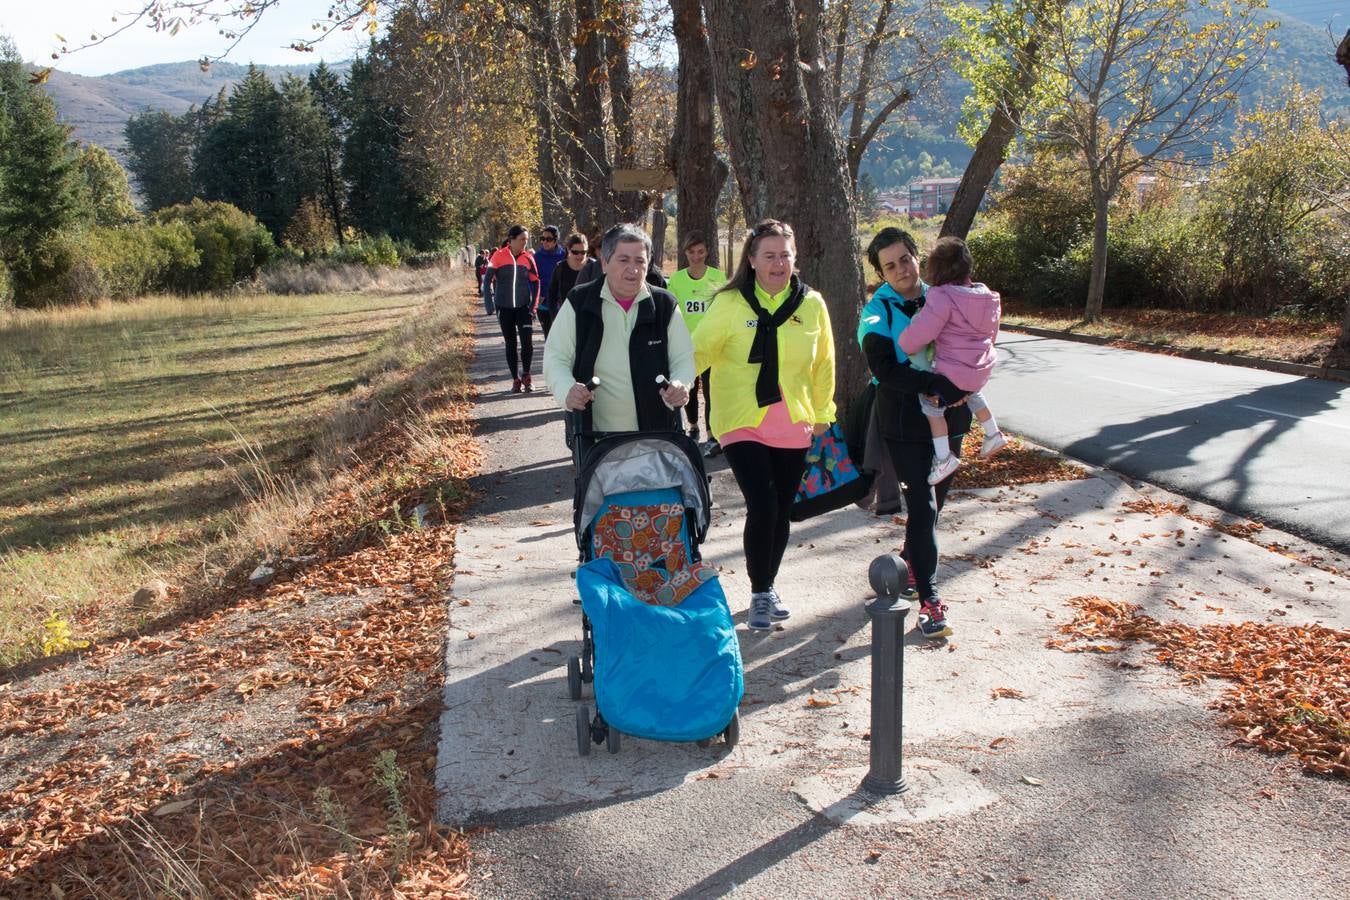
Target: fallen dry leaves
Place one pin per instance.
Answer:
(234, 754)
(1244, 530)
(1016, 464)
(1290, 688)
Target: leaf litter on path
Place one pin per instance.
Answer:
(240, 752)
(1290, 684)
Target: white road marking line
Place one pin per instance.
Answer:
(1272, 412)
(1147, 387)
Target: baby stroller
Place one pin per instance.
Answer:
(658, 642)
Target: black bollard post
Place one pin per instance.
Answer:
(887, 574)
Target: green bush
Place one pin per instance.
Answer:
(140, 259)
(232, 245)
(60, 271)
(369, 251)
(999, 259)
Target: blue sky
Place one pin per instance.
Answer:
(34, 24)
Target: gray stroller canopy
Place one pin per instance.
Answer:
(645, 464)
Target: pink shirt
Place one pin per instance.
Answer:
(776, 430)
(625, 303)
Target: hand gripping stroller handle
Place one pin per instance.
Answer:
(578, 420)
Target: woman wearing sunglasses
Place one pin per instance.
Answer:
(563, 279)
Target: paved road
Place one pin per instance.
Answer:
(1269, 446)
(1135, 788)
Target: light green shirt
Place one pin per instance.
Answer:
(695, 294)
(613, 409)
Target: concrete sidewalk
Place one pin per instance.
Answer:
(1140, 792)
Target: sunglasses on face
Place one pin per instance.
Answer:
(548, 240)
(577, 252)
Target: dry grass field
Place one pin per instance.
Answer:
(148, 439)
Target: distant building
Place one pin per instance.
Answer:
(894, 202)
(931, 196)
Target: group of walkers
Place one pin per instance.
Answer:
(760, 349)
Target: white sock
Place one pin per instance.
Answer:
(990, 427)
(941, 447)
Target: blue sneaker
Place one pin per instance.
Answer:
(933, 619)
(761, 612)
(777, 611)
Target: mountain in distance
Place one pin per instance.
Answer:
(1320, 14)
(1304, 53)
(97, 107)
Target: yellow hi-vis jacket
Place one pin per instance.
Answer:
(805, 360)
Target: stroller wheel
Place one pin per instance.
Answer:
(733, 731)
(584, 730)
(574, 678)
(612, 739)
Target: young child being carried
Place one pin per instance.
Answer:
(960, 320)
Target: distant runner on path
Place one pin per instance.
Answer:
(694, 286)
(513, 281)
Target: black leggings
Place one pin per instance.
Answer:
(691, 408)
(545, 320)
(518, 322)
(923, 502)
(768, 478)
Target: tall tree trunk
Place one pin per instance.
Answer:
(731, 237)
(795, 117)
(991, 151)
(550, 163)
(1101, 202)
(629, 206)
(593, 197)
(729, 40)
(856, 144)
(659, 222)
(330, 185)
(699, 173)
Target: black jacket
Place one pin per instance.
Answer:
(899, 385)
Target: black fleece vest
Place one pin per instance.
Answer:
(648, 351)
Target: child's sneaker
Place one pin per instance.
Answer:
(933, 619)
(761, 612)
(777, 611)
(943, 468)
(992, 444)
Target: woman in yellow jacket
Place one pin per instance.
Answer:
(766, 337)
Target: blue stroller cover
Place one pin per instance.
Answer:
(667, 659)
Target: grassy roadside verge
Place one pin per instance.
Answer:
(172, 439)
(1286, 340)
(274, 742)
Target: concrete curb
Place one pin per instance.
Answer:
(1249, 362)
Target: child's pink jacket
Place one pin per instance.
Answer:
(961, 321)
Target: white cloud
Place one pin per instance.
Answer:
(34, 24)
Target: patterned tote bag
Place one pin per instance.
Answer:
(831, 480)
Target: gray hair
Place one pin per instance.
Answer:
(625, 233)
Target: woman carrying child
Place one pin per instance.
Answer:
(960, 319)
(899, 417)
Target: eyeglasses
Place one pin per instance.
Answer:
(547, 239)
(577, 252)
